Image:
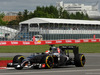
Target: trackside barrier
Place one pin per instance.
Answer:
(66, 41)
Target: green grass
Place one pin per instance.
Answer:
(83, 48)
(6, 58)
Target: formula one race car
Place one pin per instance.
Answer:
(54, 57)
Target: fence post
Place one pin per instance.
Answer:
(33, 38)
(93, 36)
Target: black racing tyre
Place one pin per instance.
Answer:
(79, 60)
(49, 62)
(18, 59)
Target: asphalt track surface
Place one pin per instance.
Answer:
(92, 67)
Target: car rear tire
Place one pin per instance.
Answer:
(18, 59)
(79, 60)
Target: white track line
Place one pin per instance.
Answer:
(5, 68)
(26, 67)
(44, 72)
(92, 65)
(93, 73)
(14, 68)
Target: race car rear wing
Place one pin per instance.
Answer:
(74, 48)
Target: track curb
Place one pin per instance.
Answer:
(3, 63)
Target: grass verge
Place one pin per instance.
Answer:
(83, 48)
(6, 58)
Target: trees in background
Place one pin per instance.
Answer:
(1, 19)
(47, 12)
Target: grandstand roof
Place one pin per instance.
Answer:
(66, 21)
(8, 29)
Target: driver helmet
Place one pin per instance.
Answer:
(47, 51)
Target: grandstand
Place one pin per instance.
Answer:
(7, 33)
(52, 29)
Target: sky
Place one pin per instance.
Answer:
(21, 5)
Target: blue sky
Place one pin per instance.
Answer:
(20, 5)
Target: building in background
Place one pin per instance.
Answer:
(51, 29)
(7, 33)
(55, 29)
(91, 10)
(9, 16)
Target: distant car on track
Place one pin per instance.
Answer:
(54, 57)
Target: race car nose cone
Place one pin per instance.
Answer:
(18, 66)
